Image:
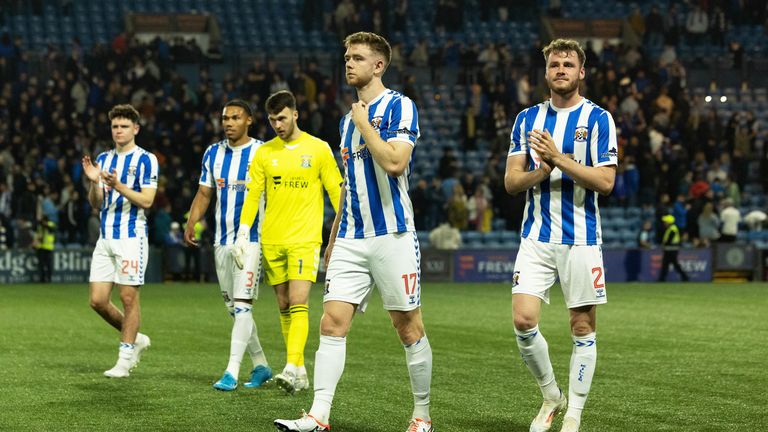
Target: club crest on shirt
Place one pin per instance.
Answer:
(306, 161)
(376, 122)
(580, 134)
(132, 171)
(516, 278)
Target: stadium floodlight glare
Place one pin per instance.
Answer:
(708, 99)
(723, 99)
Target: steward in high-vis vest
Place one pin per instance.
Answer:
(670, 243)
(45, 239)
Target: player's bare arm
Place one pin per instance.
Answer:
(335, 226)
(93, 173)
(196, 212)
(143, 198)
(393, 156)
(598, 179)
(518, 179)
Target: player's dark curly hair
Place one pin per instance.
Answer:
(564, 45)
(279, 101)
(375, 42)
(242, 104)
(125, 111)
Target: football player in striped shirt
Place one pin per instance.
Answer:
(373, 239)
(224, 172)
(291, 171)
(122, 184)
(563, 153)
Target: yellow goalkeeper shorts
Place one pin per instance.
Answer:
(298, 261)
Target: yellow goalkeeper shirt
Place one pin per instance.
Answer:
(292, 176)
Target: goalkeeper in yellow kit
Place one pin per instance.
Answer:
(291, 170)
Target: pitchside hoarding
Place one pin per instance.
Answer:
(69, 266)
(620, 265)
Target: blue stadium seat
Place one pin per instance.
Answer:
(472, 237)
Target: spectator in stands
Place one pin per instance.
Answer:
(71, 217)
(680, 212)
(419, 199)
(6, 213)
(674, 21)
(456, 208)
(730, 217)
(709, 225)
(718, 26)
(731, 191)
(696, 25)
(419, 56)
(479, 211)
(671, 244)
(94, 227)
(448, 165)
(161, 225)
(755, 220)
(654, 28)
(646, 236)
(469, 128)
(637, 22)
(445, 237)
(175, 236)
(435, 204)
(44, 241)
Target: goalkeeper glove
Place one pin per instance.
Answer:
(241, 245)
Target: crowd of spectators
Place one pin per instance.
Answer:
(677, 157)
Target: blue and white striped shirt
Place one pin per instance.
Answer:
(138, 169)
(375, 203)
(558, 210)
(225, 168)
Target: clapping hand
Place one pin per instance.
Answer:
(90, 169)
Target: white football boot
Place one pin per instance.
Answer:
(549, 409)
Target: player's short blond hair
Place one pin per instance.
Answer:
(125, 111)
(375, 42)
(564, 46)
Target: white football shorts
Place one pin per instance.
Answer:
(391, 262)
(121, 261)
(581, 271)
(238, 283)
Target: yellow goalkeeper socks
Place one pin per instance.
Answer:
(285, 324)
(297, 335)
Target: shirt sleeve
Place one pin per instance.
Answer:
(150, 170)
(518, 143)
(403, 122)
(206, 174)
(255, 190)
(604, 146)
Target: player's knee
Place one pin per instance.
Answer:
(332, 325)
(409, 330)
(524, 323)
(581, 328)
(410, 334)
(129, 300)
(98, 304)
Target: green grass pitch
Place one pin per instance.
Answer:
(671, 357)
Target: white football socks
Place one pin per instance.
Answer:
(583, 362)
(418, 356)
(241, 335)
(329, 365)
(125, 355)
(535, 353)
(254, 347)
